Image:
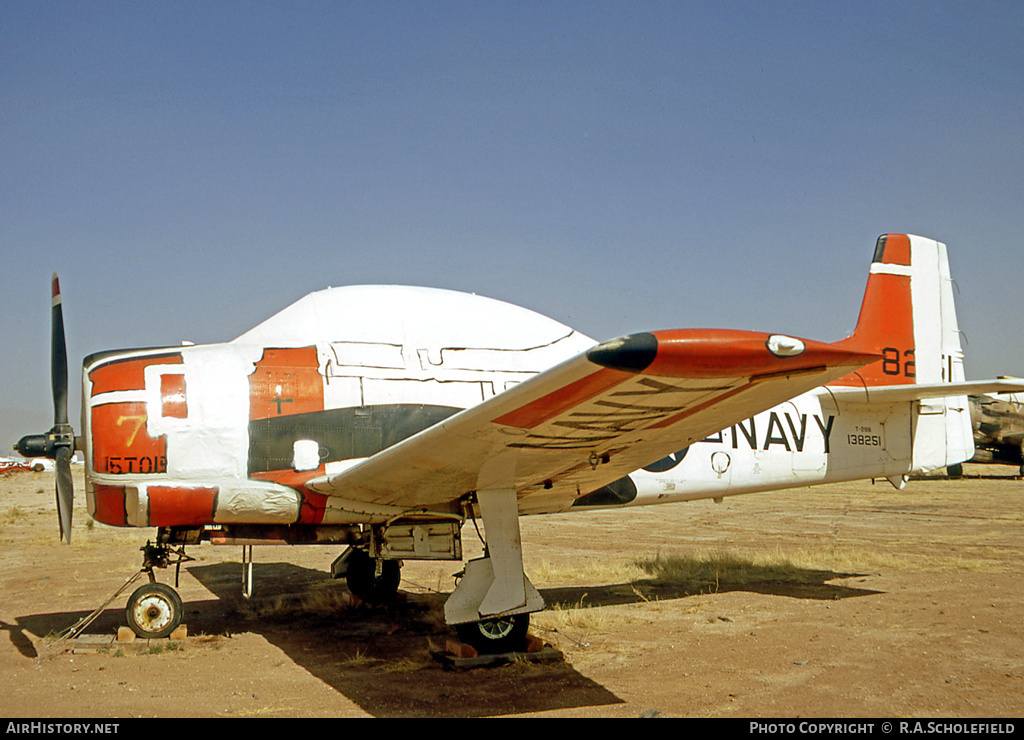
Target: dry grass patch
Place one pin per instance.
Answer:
(591, 572)
(11, 515)
(409, 664)
(577, 622)
(579, 616)
(834, 558)
(704, 567)
(359, 659)
(703, 571)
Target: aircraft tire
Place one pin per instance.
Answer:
(154, 610)
(499, 635)
(364, 583)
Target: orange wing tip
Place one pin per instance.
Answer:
(721, 353)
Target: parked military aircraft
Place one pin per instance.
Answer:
(998, 429)
(35, 464)
(382, 418)
(15, 465)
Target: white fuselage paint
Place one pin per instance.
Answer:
(805, 441)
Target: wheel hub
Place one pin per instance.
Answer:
(495, 629)
(154, 613)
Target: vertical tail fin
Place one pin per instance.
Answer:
(908, 316)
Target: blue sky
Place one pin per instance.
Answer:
(190, 168)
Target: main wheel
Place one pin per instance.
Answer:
(154, 610)
(363, 581)
(498, 635)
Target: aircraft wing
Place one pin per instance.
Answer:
(594, 418)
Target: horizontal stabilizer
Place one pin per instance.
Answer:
(902, 393)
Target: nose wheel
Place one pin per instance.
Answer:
(154, 610)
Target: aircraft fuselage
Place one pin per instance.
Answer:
(231, 433)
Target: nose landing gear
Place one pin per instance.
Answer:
(154, 610)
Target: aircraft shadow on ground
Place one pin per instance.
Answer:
(384, 658)
(800, 584)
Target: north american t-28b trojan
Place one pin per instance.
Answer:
(381, 418)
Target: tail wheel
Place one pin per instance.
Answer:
(364, 581)
(498, 635)
(154, 610)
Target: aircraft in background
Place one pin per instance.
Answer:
(999, 429)
(998, 421)
(15, 465)
(382, 418)
(35, 465)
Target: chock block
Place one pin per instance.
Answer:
(125, 634)
(180, 632)
(461, 649)
(534, 644)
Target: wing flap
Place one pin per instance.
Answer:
(594, 418)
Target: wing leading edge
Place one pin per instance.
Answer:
(594, 418)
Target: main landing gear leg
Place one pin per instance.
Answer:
(491, 605)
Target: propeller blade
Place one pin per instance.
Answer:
(59, 443)
(65, 491)
(65, 440)
(58, 357)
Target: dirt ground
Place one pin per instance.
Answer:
(908, 604)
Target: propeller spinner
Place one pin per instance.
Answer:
(59, 443)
